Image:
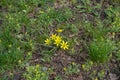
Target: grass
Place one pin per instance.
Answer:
(83, 36)
(71, 69)
(101, 50)
(37, 72)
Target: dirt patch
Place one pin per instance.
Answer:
(59, 61)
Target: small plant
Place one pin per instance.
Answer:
(113, 14)
(36, 73)
(47, 58)
(116, 24)
(72, 68)
(57, 41)
(101, 50)
(86, 6)
(97, 75)
(87, 66)
(95, 32)
(10, 52)
(118, 51)
(58, 77)
(115, 1)
(101, 74)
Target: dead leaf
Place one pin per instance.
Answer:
(113, 76)
(79, 77)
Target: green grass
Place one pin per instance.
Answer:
(9, 49)
(73, 68)
(26, 24)
(37, 72)
(101, 50)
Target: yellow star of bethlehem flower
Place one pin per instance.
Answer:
(53, 36)
(64, 68)
(59, 30)
(47, 41)
(64, 45)
(57, 40)
(96, 78)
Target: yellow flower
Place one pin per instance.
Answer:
(37, 66)
(73, 63)
(19, 61)
(11, 73)
(59, 30)
(91, 62)
(53, 36)
(26, 33)
(103, 72)
(96, 78)
(94, 71)
(113, 33)
(58, 40)
(41, 11)
(83, 66)
(29, 53)
(64, 68)
(18, 48)
(10, 45)
(64, 45)
(48, 41)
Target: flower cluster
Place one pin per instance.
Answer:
(71, 68)
(87, 66)
(37, 72)
(57, 40)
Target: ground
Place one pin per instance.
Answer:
(60, 40)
